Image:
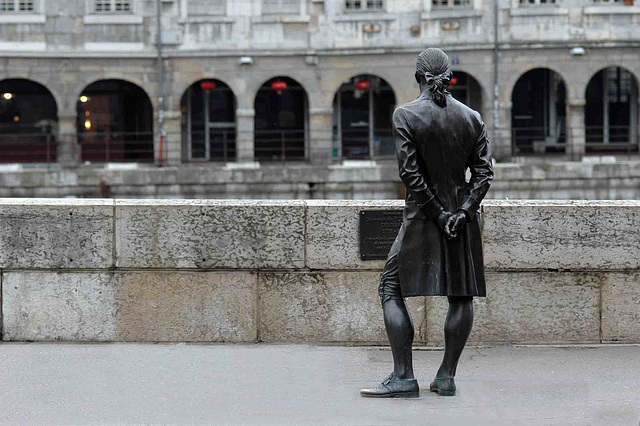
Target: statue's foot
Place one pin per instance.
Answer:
(444, 385)
(393, 387)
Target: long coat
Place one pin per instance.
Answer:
(435, 146)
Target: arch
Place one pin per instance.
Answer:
(28, 122)
(281, 120)
(510, 82)
(115, 122)
(611, 111)
(362, 118)
(538, 112)
(212, 138)
(467, 89)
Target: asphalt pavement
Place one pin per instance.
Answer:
(261, 384)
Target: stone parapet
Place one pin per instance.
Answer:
(290, 271)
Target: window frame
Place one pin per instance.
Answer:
(464, 4)
(364, 7)
(537, 3)
(16, 6)
(112, 7)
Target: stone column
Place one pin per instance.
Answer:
(501, 137)
(320, 136)
(172, 145)
(576, 134)
(68, 148)
(245, 144)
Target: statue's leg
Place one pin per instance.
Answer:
(456, 332)
(399, 326)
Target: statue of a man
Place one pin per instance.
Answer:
(438, 251)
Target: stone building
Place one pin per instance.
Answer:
(293, 98)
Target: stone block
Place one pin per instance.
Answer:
(333, 233)
(326, 307)
(621, 307)
(48, 306)
(529, 307)
(186, 306)
(209, 234)
(44, 233)
(600, 235)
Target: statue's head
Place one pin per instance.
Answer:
(433, 70)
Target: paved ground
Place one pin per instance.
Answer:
(300, 385)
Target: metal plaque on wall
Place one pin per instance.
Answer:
(378, 231)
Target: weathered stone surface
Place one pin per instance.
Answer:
(186, 306)
(333, 233)
(209, 234)
(529, 307)
(326, 307)
(40, 233)
(46, 306)
(562, 235)
(621, 307)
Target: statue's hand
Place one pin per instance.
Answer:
(456, 222)
(444, 220)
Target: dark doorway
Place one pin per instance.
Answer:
(538, 114)
(611, 111)
(28, 122)
(280, 121)
(466, 89)
(115, 123)
(209, 121)
(362, 118)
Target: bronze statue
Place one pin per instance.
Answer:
(438, 251)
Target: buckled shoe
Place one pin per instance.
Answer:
(393, 387)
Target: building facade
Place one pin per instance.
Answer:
(302, 89)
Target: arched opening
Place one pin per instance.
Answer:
(209, 121)
(28, 122)
(362, 117)
(115, 123)
(465, 88)
(538, 114)
(611, 111)
(280, 121)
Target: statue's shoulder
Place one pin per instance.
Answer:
(465, 109)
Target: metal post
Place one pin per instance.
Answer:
(161, 79)
(496, 87)
(283, 145)
(207, 128)
(371, 123)
(225, 142)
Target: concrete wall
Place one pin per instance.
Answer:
(290, 271)
(379, 180)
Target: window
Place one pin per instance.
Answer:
(360, 5)
(206, 7)
(113, 6)
(536, 2)
(451, 3)
(272, 7)
(17, 5)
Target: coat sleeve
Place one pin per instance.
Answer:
(481, 173)
(410, 173)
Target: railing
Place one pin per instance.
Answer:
(356, 144)
(280, 145)
(28, 147)
(222, 145)
(534, 140)
(620, 140)
(106, 147)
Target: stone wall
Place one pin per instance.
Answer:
(290, 271)
(369, 180)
